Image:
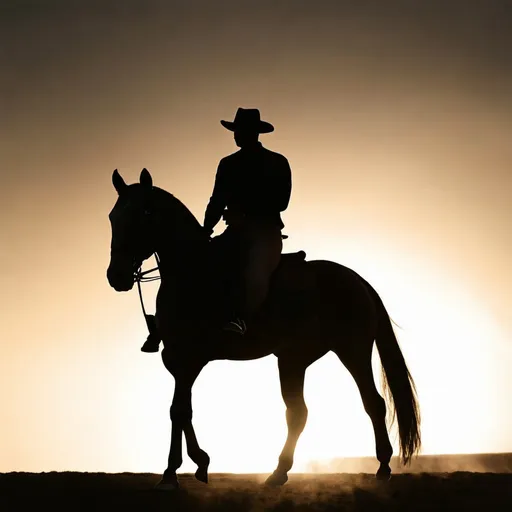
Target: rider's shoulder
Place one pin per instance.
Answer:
(274, 156)
(225, 163)
(235, 157)
(232, 157)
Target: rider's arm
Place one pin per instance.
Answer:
(217, 202)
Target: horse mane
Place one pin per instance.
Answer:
(182, 215)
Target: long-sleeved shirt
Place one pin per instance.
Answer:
(255, 182)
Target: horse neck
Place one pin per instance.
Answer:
(182, 246)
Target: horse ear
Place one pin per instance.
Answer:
(145, 178)
(118, 182)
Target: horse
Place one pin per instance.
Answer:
(336, 310)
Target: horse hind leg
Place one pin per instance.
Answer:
(200, 457)
(291, 376)
(360, 368)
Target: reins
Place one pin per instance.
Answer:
(141, 276)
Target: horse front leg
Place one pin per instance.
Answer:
(179, 413)
(181, 418)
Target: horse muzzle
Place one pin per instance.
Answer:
(121, 276)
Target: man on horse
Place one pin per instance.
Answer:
(252, 188)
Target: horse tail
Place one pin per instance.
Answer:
(398, 385)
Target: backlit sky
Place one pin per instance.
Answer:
(396, 118)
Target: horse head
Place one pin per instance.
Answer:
(147, 220)
(133, 229)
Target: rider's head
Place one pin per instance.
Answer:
(246, 137)
(247, 126)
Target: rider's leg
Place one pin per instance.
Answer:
(263, 255)
(260, 252)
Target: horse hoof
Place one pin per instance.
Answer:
(168, 484)
(202, 474)
(383, 474)
(276, 479)
(203, 461)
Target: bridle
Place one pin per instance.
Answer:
(141, 276)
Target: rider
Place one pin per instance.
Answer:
(252, 188)
(254, 184)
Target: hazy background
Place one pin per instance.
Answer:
(396, 118)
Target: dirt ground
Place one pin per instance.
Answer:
(226, 492)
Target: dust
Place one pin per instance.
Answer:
(475, 463)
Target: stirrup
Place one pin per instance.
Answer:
(237, 326)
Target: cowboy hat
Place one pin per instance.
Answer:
(248, 119)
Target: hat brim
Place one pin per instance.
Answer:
(262, 127)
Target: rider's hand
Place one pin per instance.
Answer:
(232, 218)
(208, 231)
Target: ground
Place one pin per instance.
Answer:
(226, 492)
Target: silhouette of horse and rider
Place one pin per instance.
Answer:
(235, 296)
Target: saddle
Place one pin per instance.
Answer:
(292, 257)
(290, 275)
(291, 288)
(290, 284)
